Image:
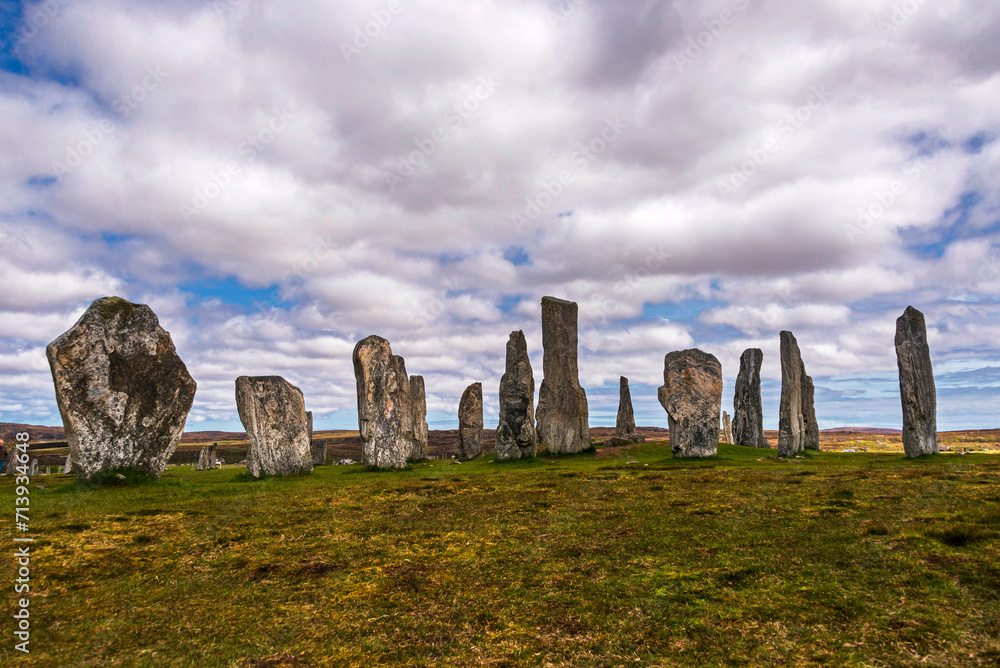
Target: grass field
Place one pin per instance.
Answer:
(609, 559)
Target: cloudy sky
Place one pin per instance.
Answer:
(278, 180)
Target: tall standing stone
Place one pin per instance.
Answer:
(309, 426)
(810, 435)
(727, 427)
(319, 451)
(123, 392)
(419, 416)
(213, 456)
(791, 422)
(692, 396)
(68, 466)
(625, 423)
(516, 437)
(384, 405)
(562, 417)
(273, 412)
(470, 422)
(33, 467)
(748, 413)
(203, 458)
(916, 384)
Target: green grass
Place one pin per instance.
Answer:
(833, 559)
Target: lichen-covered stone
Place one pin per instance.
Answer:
(516, 437)
(562, 415)
(419, 417)
(625, 422)
(122, 390)
(796, 415)
(273, 412)
(203, 459)
(727, 427)
(748, 414)
(692, 396)
(916, 384)
(385, 406)
(810, 435)
(470, 422)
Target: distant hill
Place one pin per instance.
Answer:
(863, 430)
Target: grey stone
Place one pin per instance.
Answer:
(916, 385)
(203, 458)
(470, 422)
(33, 467)
(562, 415)
(123, 392)
(748, 413)
(727, 427)
(810, 435)
(625, 423)
(419, 416)
(68, 466)
(319, 446)
(385, 406)
(273, 412)
(213, 456)
(791, 418)
(692, 396)
(516, 437)
(617, 442)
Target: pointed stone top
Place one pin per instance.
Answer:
(556, 300)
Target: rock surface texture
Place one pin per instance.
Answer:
(470, 422)
(123, 392)
(748, 413)
(516, 438)
(916, 384)
(692, 396)
(273, 412)
(791, 422)
(625, 423)
(810, 435)
(419, 416)
(384, 405)
(727, 427)
(562, 416)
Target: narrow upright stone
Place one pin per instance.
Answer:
(516, 437)
(309, 426)
(692, 396)
(748, 413)
(625, 423)
(68, 466)
(810, 434)
(384, 405)
(213, 456)
(33, 467)
(319, 451)
(419, 416)
(916, 384)
(470, 422)
(791, 423)
(203, 458)
(123, 392)
(562, 416)
(273, 412)
(727, 427)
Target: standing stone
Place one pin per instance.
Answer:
(470, 422)
(213, 456)
(203, 458)
(68, 466)
(692, 396)
(810, 435)
(727, 427)
(916, 384)
(3, 458)
(384, 405)
(419, 416)
(123, 393)
(516, 437)
(319, 451)
(625, 423)
(273, 412)
(791, 421)
(562, 417)
(748, 414)
(33, 467)
(309, 426)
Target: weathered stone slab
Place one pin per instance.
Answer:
(727, 427)
(516, 437)
(273, 412)
(419, 416)
(791, 422)
(692, 396)
(203, 458)
(916, 384)
(319, 446)
(33, 467)
(68, 466)
(748, 413)
(562, 414)
(470, 422)
(123, 392)
(384, 405)
(810, 435)
(625, 422)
